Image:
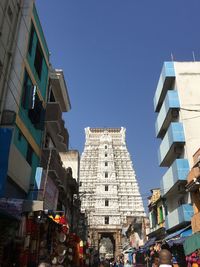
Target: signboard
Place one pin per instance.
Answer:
(51, 191)
(12, 206)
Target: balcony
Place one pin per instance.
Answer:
(180, 216)
(56, 126)
(175, 174)
(165, 83)
(61, 176)
(195, 221)
(168, 112)
(50, 159)
(172, 144)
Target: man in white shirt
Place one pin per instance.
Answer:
(165, 258)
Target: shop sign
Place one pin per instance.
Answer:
(12, 206)
(51, 191)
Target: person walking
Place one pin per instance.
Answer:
(165, 258)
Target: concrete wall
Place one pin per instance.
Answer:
(71, 159)
(188, 87)
(10, 14)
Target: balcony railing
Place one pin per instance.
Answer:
(171, 145)
(177, 172)
(168, 112)
(180, 216)
(166, 80)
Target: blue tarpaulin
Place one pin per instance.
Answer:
(180, 233)
(150, 242)
(178, 237)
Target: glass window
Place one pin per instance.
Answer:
(106, 202)
(106, 175)
(29, 154)
(106, 187)
(38, 60)
(31, 40)
(106, 154)
(106, 163)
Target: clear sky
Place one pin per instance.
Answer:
(112, 52)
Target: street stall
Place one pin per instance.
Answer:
(192, 249)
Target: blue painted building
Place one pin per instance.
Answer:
(176, 100)
(24, 107)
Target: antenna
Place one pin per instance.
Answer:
(193, 55)
(172, 57)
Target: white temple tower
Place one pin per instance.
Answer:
(108, 187)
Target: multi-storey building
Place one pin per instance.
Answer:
(33, 178)
(193, 186)
(23, 108)
(108, 185)
(176, 102)
(10, 15)
(156, 215)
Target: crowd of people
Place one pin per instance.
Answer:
(163, 258)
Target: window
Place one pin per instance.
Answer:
(38, 60)
(106, 187)
(80, 183)
(106, 163)
(106, 202)
(28, 92)
(106, 154)
(31, 40)
(160, 214)
(106, 220)
(106, 175)
(106, 147)
(29, 154)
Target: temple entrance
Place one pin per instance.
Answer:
(105, 242)
(106, 246)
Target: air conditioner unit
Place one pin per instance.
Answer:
(8, 117)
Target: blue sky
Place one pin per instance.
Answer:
(112, 52)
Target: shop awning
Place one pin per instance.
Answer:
(192, 243)
(177, 241)
(180, 233)
(150, 242)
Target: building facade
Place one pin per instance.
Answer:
(156, 208)
(37, 189)
(176, 102)
(108, 186)
(193, 186)
(10, 15)
(24, 104)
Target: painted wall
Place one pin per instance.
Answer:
(188, 81)
(25, 133)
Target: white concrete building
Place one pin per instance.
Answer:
(177, 102)
(108, 183)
